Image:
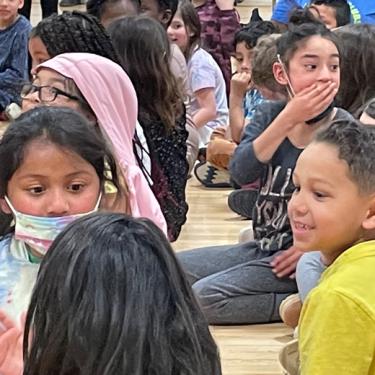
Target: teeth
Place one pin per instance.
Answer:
(302, 226)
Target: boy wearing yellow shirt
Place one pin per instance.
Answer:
(333, 209)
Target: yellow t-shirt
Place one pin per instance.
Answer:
(337, 326)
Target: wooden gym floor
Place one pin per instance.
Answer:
(245, 350)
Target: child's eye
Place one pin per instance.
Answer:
(334, 68)
(76, 187)
(319, 195)
(297, 189)
(310, 66)
(36, 190)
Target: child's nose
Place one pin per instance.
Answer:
(169, 31)
(297, 205)
(245, 68)
(57, 204)
(30, 101)
(325, 74)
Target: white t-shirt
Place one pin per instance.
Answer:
(204, 72)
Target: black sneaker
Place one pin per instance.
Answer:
(211, 177)
(242, 201)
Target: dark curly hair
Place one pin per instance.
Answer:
(74, 32)
(355, 144)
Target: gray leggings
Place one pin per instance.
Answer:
(235, 284)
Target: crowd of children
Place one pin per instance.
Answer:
(115, 104)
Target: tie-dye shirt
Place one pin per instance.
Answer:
(18, 275)
(17, 278)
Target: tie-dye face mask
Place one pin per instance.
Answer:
(39, 232)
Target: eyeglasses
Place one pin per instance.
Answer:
(46, 94)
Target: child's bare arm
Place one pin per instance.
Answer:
(207, 107)
(225, 4)
(240, 83)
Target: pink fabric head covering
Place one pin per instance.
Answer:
(112, 98)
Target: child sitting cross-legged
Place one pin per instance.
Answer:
(243, 100)
(333, 210)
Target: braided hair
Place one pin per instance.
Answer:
(74, 32)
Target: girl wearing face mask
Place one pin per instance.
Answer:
(53, 169)
(100, 90)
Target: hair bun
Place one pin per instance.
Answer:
(302, 16)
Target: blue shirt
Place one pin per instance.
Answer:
(363, 11)
(13, 60)
(251, 101)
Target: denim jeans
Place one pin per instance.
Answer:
(308, 272)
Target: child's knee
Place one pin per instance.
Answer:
(208, 299)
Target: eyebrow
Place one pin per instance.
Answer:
(312, 56)
(51, 80)
(321, 181)
(73, 174)
(314, 180)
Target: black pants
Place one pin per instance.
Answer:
(48, 7)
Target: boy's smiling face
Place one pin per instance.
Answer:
(9, 12)
(327, 211)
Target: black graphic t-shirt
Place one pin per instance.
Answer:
(270, 220)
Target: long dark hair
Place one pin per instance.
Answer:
(111, 298)
(191, 20)
(357, 72)
(63, 127)
(144, 52)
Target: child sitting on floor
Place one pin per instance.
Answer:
(14, 31)
(243, 100)
(333, 209)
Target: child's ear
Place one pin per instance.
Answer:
(279, 74)
(4, 206)
(369, 222)
(166, 17)
(20, 4)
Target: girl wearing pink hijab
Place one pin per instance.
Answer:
(102, 91)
